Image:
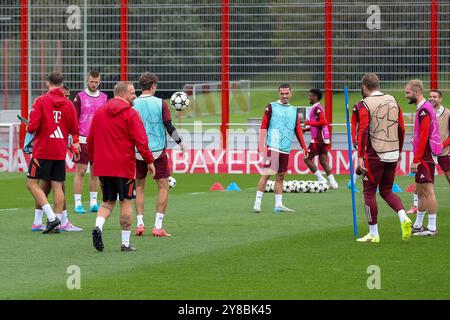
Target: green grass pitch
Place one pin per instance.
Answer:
(221, 250)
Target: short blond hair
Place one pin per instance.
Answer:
(121, 88)
(416, 85)
(371, 81)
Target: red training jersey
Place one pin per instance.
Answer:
(52, 118)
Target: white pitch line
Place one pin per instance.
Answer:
(10, 209)
(196, 193)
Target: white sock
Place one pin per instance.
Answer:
(319, 175)
(331, 178)
(99, 222)
(59, 216)
(126, 237)
(432, 217)
(259, 195)
(49, 212)
(278, 200)
(140, 219)
(93, 196)
(64, 218)
(373, 230)
(159, 220)
(402, 215)
(419, 219)
(77, 198)
(355, 177)
(416, 200)
(38, 214)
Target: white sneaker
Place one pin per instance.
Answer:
(334, 185)
(282, 209)
(69, 227)
(425, 232)
(257, 207)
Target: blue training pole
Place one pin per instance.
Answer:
(350, 151)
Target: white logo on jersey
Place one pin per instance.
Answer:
(423, 113)
(57, 116)
(57, 134)
(365, 178)
(422, 176)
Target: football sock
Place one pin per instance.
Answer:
(49, 212)
(77, 198)
(259, 195)
(373, 230)
(432, 217)
(59, 216)
(99, 222)
(355, 177)
(319, 175)
(140, 219)
(331, 178)
(416, 200)
(419, 219)
(402, 215)
(159, 220)
(93, 196)
(126, 237)
(64, 218)
(38, 214)
(278, 200)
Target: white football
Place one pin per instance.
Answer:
(172, 182)
(179, 101)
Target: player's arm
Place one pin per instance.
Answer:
(446, 143)
(90, 140)
(354, 126)
(299, 135)
(35, 117)
(263, 130)
(363, 136)
(320, 123)
(171, 130)
(77, 105)
(401, 129)
(424, 132)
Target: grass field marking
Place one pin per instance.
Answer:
(374, 280)
(9, 209)
(194, 193)
(74, 279)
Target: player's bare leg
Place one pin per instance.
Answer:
(260, 192)
(447, 175)
(126, 220)
(161, 207)
(139, 203)
(38, 225)
(323, 159)
(427, 203)
(41, 200)
(278, 189)
(312, 166)
(78, 187)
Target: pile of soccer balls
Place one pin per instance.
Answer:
(299, 186)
